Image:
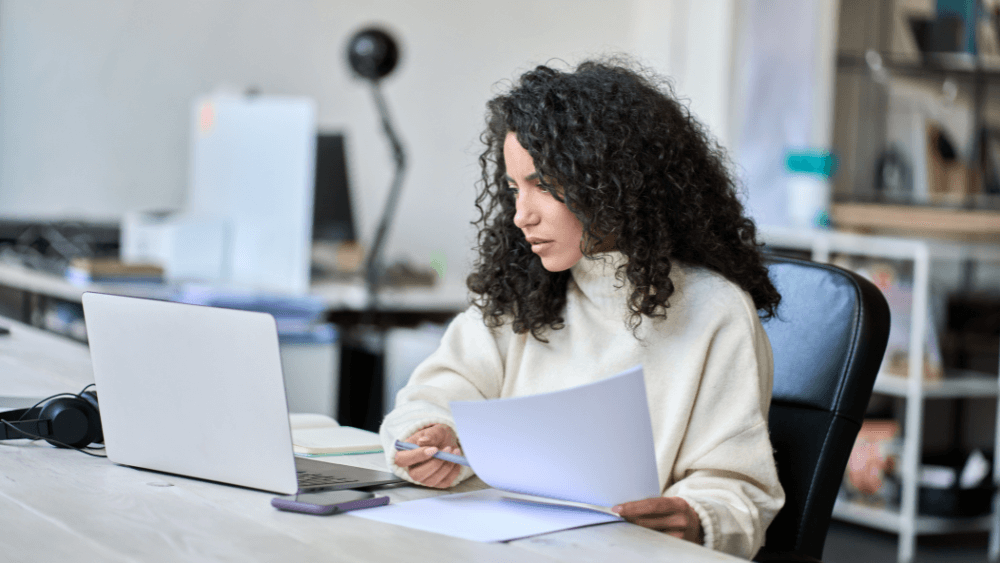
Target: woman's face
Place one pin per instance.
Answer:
(551, 228)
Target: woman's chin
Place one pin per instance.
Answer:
(559, 263)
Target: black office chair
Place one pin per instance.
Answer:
(828, 339)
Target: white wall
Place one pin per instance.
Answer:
(782, 95)
(94, 96)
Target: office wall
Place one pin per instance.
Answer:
(95, 96)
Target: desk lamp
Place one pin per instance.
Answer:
(373, 55)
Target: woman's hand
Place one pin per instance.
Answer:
(672, 515)
(424, 468)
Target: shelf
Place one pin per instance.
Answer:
(956, 384)
(882, 246)
(936, 65)
(889, 519)
(929, 221)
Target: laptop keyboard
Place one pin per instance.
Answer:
(310, 479)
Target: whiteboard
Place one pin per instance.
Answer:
(253, 165)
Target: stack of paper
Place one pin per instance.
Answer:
(590, 445)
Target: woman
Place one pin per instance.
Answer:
(611, 235)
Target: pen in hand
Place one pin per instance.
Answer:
(440, 455)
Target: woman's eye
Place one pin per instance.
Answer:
(512, 189)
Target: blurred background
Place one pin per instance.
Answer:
(226, 153)
(97, 97)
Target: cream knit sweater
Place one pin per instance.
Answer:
(708, 373)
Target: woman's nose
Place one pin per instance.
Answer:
(527, 214)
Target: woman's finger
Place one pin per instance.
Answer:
(416, 436)
(670, 523)
(659, 506)
(436, 435)
(445, 475)
(649, 507)
(452, 475)
(421, 471)
(407, 458)
(437, 478)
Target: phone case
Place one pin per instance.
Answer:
(327, 509)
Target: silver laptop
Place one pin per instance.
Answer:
(198, 391)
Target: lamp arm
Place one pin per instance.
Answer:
(373, 264)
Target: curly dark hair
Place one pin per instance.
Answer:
(635, 167)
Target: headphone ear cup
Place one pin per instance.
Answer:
(93, 416)
(69, 422)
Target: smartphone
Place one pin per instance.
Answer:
(328, 502)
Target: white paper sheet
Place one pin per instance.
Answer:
(591, 444)
(485, 516)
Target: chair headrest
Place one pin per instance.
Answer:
(824, 326)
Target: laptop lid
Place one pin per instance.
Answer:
(191, 390)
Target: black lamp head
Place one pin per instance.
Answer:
(372, 53)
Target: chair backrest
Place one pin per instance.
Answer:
(828, 340)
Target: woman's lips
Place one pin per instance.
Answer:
(539, 246)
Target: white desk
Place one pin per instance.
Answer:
(343, 295)
(58, 504)
(36, 363)
(312, 372)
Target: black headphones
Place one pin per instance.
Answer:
(64, 420)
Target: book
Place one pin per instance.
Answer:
(109, 270)
(320, 435)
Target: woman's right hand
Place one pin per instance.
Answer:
(422, 466)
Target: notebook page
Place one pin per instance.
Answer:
(335, 440)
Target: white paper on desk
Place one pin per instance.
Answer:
(485, 516)
(590, 444)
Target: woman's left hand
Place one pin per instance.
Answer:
(672, 515)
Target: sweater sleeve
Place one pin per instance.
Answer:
(466, 366)
(725, 469)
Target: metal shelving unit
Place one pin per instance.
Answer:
(956, 384)
(882, 68)
(891, 520)
(905, 520)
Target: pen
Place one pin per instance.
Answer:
(440, 455)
